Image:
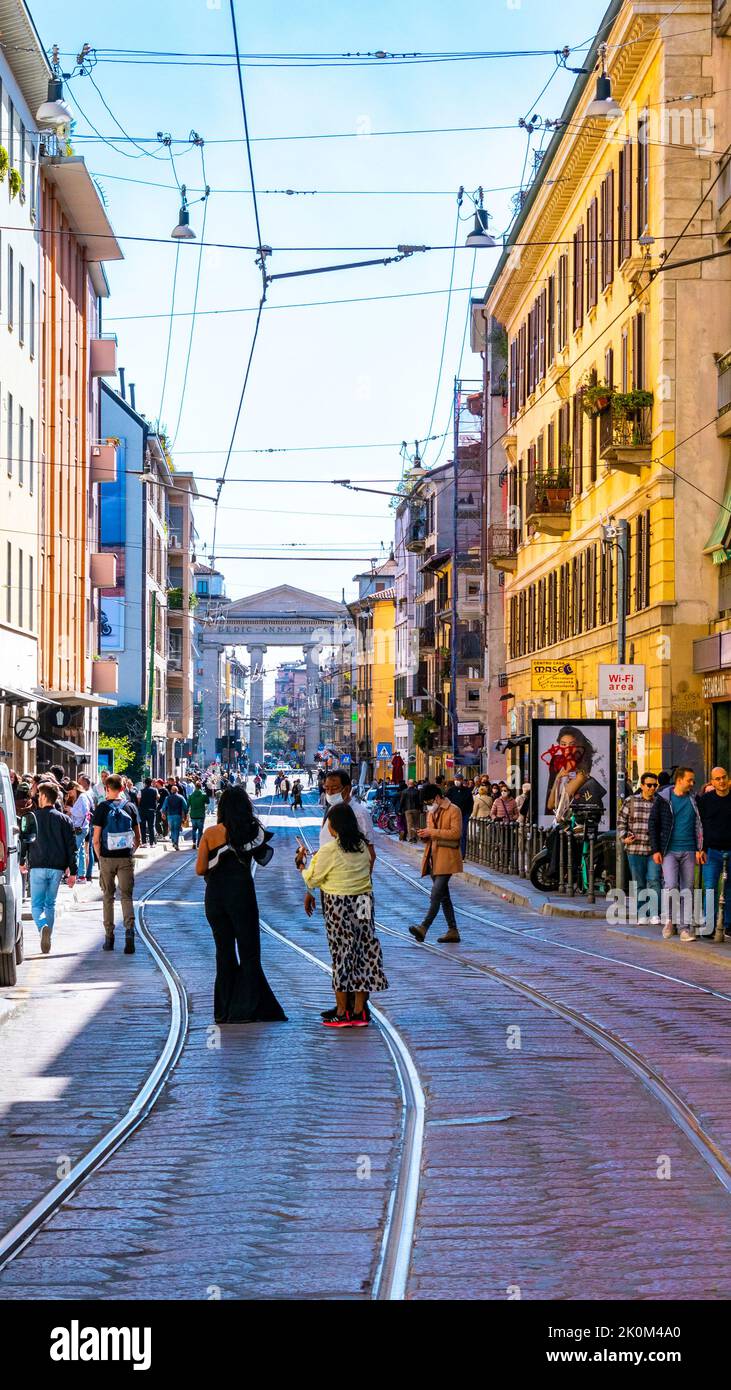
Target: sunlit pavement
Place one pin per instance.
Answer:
(267, 1166)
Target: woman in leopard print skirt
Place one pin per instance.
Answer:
(341, 869)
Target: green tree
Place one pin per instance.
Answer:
(129, 723)
(124, 753)
(277, 739)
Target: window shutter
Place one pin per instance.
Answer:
(550, 319)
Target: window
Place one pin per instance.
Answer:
(541, 335)
(551, 319)
(31, 453)
(643, 163)
(32, 177)
(9, 445)
(624, 204)
(592, 255)
(21, 445)
(562, 312)
(550, 445)
(609, 367)
(20, 588)
(642, 561)
(606, 598)
(8, 583)
(625, 361)
(513, 383)
(577, 445)
(21, 304)
(202, 586)
(578, 301)
(21, 161)
(607, 229)
(11, 287)
(473, 697)
(638, 352)
(563, 436)
(32, 319)
(31, 595)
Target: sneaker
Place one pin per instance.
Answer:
(327, 1014)
(46, 940)
(338, 1021)
(687, 934)
(108, 942)
(668, 930)
(451, 934)
(655, 921)
(418, 932)
(359, 1020)
(129, 943)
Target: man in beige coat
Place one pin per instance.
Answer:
(442, 858)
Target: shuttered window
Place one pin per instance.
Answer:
(607, 228)
(592, 255)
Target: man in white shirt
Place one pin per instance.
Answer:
(338, 787)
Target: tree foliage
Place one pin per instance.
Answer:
(128, 723)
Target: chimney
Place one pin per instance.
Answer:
(122, 392)
(132, 395)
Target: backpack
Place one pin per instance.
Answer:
(118, 832)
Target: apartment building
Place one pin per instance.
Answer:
(182, 603)
(615, 320)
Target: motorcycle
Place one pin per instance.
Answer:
(584, 827)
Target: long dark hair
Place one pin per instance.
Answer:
(345, 825)
(236, 813)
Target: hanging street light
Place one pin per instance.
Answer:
(604, 107)
(183, 231)
(480, 238)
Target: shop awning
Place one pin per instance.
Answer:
(74, 749)
(717, 545)
(13, 695)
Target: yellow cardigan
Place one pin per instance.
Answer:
(336, 871)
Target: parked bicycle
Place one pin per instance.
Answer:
(576, 854)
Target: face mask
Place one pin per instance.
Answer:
(430, 806)
(333, 798)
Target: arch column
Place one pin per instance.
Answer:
(256, 703)
(312, 721)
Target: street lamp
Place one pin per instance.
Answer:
(480, 238)
(604, 107)
(183, 230)
(54, 111)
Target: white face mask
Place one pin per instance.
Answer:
(430, 806)
(333, 798)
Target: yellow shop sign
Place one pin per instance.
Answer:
(548, 676)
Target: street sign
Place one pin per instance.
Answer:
(471, 727)
(26, 728)
(549, 675)
(384, 751)
(621, 687)
(345, 760)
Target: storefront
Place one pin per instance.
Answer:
(712, 660)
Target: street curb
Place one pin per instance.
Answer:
(530, 899)
(705, 951)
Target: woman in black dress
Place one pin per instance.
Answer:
(225, 853)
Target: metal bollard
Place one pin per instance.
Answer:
(590, 894)
(562, 861)
(570, 885)
(521, 850)
(718, 933)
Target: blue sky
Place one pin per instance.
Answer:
(360, 373)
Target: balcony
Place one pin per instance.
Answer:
(625, 431)
(426, 639)
(502, 547)
(103, 355)
(175, 541)
(723, 423)
(548, 502)
(103, 569)
(104, 676)
(103, 463)
(415, 538)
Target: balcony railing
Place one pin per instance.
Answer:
(548, 501)
(724, 394)
(625, 434)
(502, 546)
(426, 638)
(415, 539)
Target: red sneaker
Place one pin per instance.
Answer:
(338, 1021)
(360, 1020)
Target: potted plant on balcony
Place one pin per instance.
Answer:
(595, 397)
(15, 183)
(627, 407)
(4, 163)
(423, 727)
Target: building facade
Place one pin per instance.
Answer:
(612, 369)
(182, 603)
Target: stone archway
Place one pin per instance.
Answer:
(280, 617)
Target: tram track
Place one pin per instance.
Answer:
(392, 1270)
(680, 1112)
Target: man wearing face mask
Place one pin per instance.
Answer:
(442, 858)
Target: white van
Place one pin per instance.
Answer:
(11, 884)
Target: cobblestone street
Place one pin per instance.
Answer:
(576, 1085)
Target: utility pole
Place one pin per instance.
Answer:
(455, 582)
(151, 687)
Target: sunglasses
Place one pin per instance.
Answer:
(650, 784)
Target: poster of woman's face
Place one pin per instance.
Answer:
(573, 769)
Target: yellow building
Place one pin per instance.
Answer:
(374, 616)
(613, 381)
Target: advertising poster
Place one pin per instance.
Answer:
(576, 760)
(111, 623)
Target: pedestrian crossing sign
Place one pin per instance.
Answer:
(384, 751)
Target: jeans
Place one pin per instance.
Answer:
(175, 823)
(80, 844)
(678, 871)
(110, 870)
(90, 855)
(440, 898)
(197, 830)
(646, 874)
(44, 886)
(147, 827)
(712, 870)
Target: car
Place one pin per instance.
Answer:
(11, 884)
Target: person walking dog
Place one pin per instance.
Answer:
(442, 859)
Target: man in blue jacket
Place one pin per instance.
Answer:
(676, 841)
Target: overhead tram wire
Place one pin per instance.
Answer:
(457, 224)
(262, 265)
(195, 294)
(170, 333)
